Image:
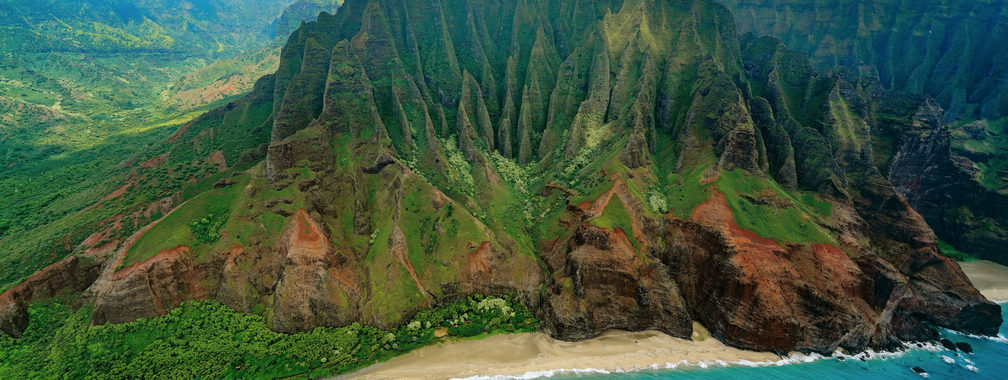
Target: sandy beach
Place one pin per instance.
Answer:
(536, 354)
(989, 278)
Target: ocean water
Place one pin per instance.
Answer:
(989, 360)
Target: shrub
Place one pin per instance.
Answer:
(207, 228)
(657, 202)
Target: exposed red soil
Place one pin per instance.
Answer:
(346, 277)
(231, 261)
(165, 255)
(72, 274)
(111, 224)
(155, 162)
(130, 241)
(399, 251)
(308, 244)
(437, 200)
(307, 239)
(776, 269)
(478, 264)
(181, 131)
(715, 213)
(94, 238)
(619, 189)
(217, 158)
(113, 195)
(118, 193)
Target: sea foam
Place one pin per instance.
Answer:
(793, 358)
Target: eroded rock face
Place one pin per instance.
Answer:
(754, 293)
(948, 197)
(68, 276)
(150, 288)
(600, 283)
(316, 286)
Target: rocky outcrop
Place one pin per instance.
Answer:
(600, 283)
(754, 293)
(946, 194)
(150, 288)
(64, 278)
(316, 287)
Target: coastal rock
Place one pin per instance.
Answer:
(754, 293)
(964, 347)
(961, 211)
(948, 344)
(600, 284)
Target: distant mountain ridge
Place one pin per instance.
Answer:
(177, 26)
(950, 50)
(71, 119)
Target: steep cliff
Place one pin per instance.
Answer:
(614, 165)
(948, 50)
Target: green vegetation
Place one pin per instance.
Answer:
(615, 216)
(758, 204)
(90, 91)
(948, 250)
(186, 226)
(462, 171)
(608, 100)
(207, 228)
(685, 191)
(775, 214)
(204, 339)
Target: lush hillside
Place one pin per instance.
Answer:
(93, 26)
(950, 50)
(623, 164)
(72, 122)
(299, 11)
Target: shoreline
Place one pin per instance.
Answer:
(535, 355)
(990, 278)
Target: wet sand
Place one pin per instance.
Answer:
(989, 278)
(536, 354)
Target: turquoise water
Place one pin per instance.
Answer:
(988, 361)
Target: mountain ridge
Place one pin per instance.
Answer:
(948, 50)
(675, 172)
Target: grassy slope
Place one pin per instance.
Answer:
(615, 216)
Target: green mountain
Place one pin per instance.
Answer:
(949, 50)
(72, 121)
(623, 164)
(301, 10)
(192, 27)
